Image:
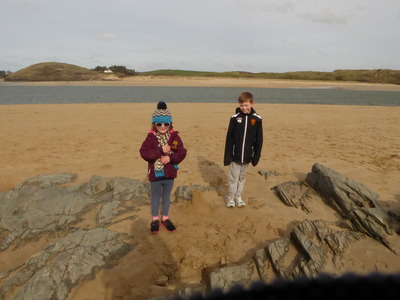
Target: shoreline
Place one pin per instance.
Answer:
(182, 81)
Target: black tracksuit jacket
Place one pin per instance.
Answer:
(244, 138)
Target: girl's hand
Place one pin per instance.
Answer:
(166, 148)
(165, 159)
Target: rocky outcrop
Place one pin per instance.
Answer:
(44, 203)
(296, 194)
(47, 204)
(311, 244)
(57, 269)
(355, 203)
(304, 252)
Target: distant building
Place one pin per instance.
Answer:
(107, 71)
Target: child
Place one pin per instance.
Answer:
(163, 150)
(243, 145)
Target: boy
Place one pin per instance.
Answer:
(243, 145)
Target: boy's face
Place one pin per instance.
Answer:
(245, 107)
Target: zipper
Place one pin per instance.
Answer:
(244, 137)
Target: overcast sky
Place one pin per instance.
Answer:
(202, 35)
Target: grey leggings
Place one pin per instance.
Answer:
(161, 189)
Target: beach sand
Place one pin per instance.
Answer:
(360, 142)
(112, 80)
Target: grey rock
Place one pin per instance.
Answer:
(184, 193)
(263, 265)
(227, 277)
(311, 244)
(47, 180)
(295, 194)
(57, 269)
(42, 203)
(45, 203)
(304, 252)
(355, 202)
(126, 195)
(267, 173)
(316, 242)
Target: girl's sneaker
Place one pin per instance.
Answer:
(168, 224)
(240, 202)
(155, 226)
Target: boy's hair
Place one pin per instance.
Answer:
(245, 97)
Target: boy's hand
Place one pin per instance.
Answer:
(254, 162)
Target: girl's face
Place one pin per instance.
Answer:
(162, 127)
(245, 107)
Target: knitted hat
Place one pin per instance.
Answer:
(161, 114)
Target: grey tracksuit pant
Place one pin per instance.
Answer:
(236, 179)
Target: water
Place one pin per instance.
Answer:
(18, 94)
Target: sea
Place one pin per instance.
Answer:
(22, 94)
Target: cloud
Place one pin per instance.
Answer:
(327, 16)
(283, 7)
(258, 35)
(106, 36)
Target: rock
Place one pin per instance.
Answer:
(127, 195)
(311, 244)
(295, 194)
(184, 193)
(227, 277)
(45, 203)
(303, 253)
(266, 173)
(42, 203)
(355, 202)
(57, 269)
(47, 180)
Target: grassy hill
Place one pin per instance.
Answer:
(54, 71)
(371, 76)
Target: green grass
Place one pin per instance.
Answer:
(53, 71)
(371, 76)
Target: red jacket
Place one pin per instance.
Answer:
(150, 152)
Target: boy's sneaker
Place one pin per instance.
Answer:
(230, 202)
(155, 226)
(168, 224)
(240, 202)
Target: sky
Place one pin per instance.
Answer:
(202, 35)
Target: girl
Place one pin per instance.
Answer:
(163, 150)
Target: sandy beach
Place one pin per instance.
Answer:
(112, 80)
(359, 142)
